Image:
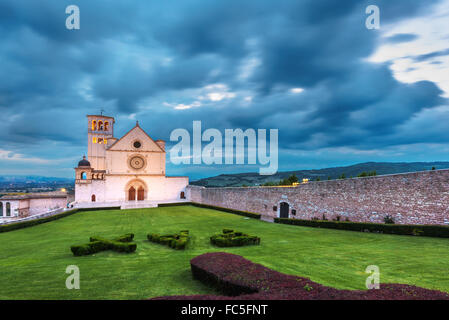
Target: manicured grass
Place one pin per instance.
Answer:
(33, 260)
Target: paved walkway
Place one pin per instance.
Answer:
(118, 204)
(35, 216)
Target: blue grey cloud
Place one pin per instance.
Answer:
(402, 37)
(428, 56)
(135, 57)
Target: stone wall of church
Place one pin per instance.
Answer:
(114, 188)
(117, 162)
(45, 204)
(411, 198)
(14, 211)
(157, 187)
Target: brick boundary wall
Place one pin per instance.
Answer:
(410, 198)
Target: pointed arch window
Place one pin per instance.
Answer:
(140, 194)
(8, 209)
(132, 194)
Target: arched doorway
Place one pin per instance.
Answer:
(284, 209)
(131, 194)
(93, 198)
(136, 190)
(182, 196)
(140, 194)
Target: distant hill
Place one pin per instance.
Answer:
(381, 168)
(32, 179)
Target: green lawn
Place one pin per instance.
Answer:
(33, 260)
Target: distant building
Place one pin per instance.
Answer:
(123, 171)
(20, 206)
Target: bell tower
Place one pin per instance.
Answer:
(100, 134)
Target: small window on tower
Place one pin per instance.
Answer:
(106, 126)
(105, 141)
(100, 125)
(100, 140)
(94, 125)
(94, 140)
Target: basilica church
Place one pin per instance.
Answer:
(126, 170)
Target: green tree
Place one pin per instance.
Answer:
(289, 181)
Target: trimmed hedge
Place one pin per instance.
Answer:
(239, 278)
(97, 244)
(174, 204)
(30, 223)
(399, 229)
(240, 213)
(176, 241)
(229, 238)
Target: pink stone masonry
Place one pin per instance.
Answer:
(410, 198)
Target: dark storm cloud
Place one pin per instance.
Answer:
(428, 56)
(132, 56)
(401, 37)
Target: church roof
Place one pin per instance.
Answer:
(137, 126)
(99, 115)
(84, 162)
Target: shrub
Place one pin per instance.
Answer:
(176, 241)
(240, 278)
(126, 238)
(97, 244)
(388, 219)
(399, 229)
(229, 238)
(241, 213)
(89, 248)
(126, 247)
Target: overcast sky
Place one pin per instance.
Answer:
(338, 93)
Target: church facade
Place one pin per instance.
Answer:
(129, 169)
